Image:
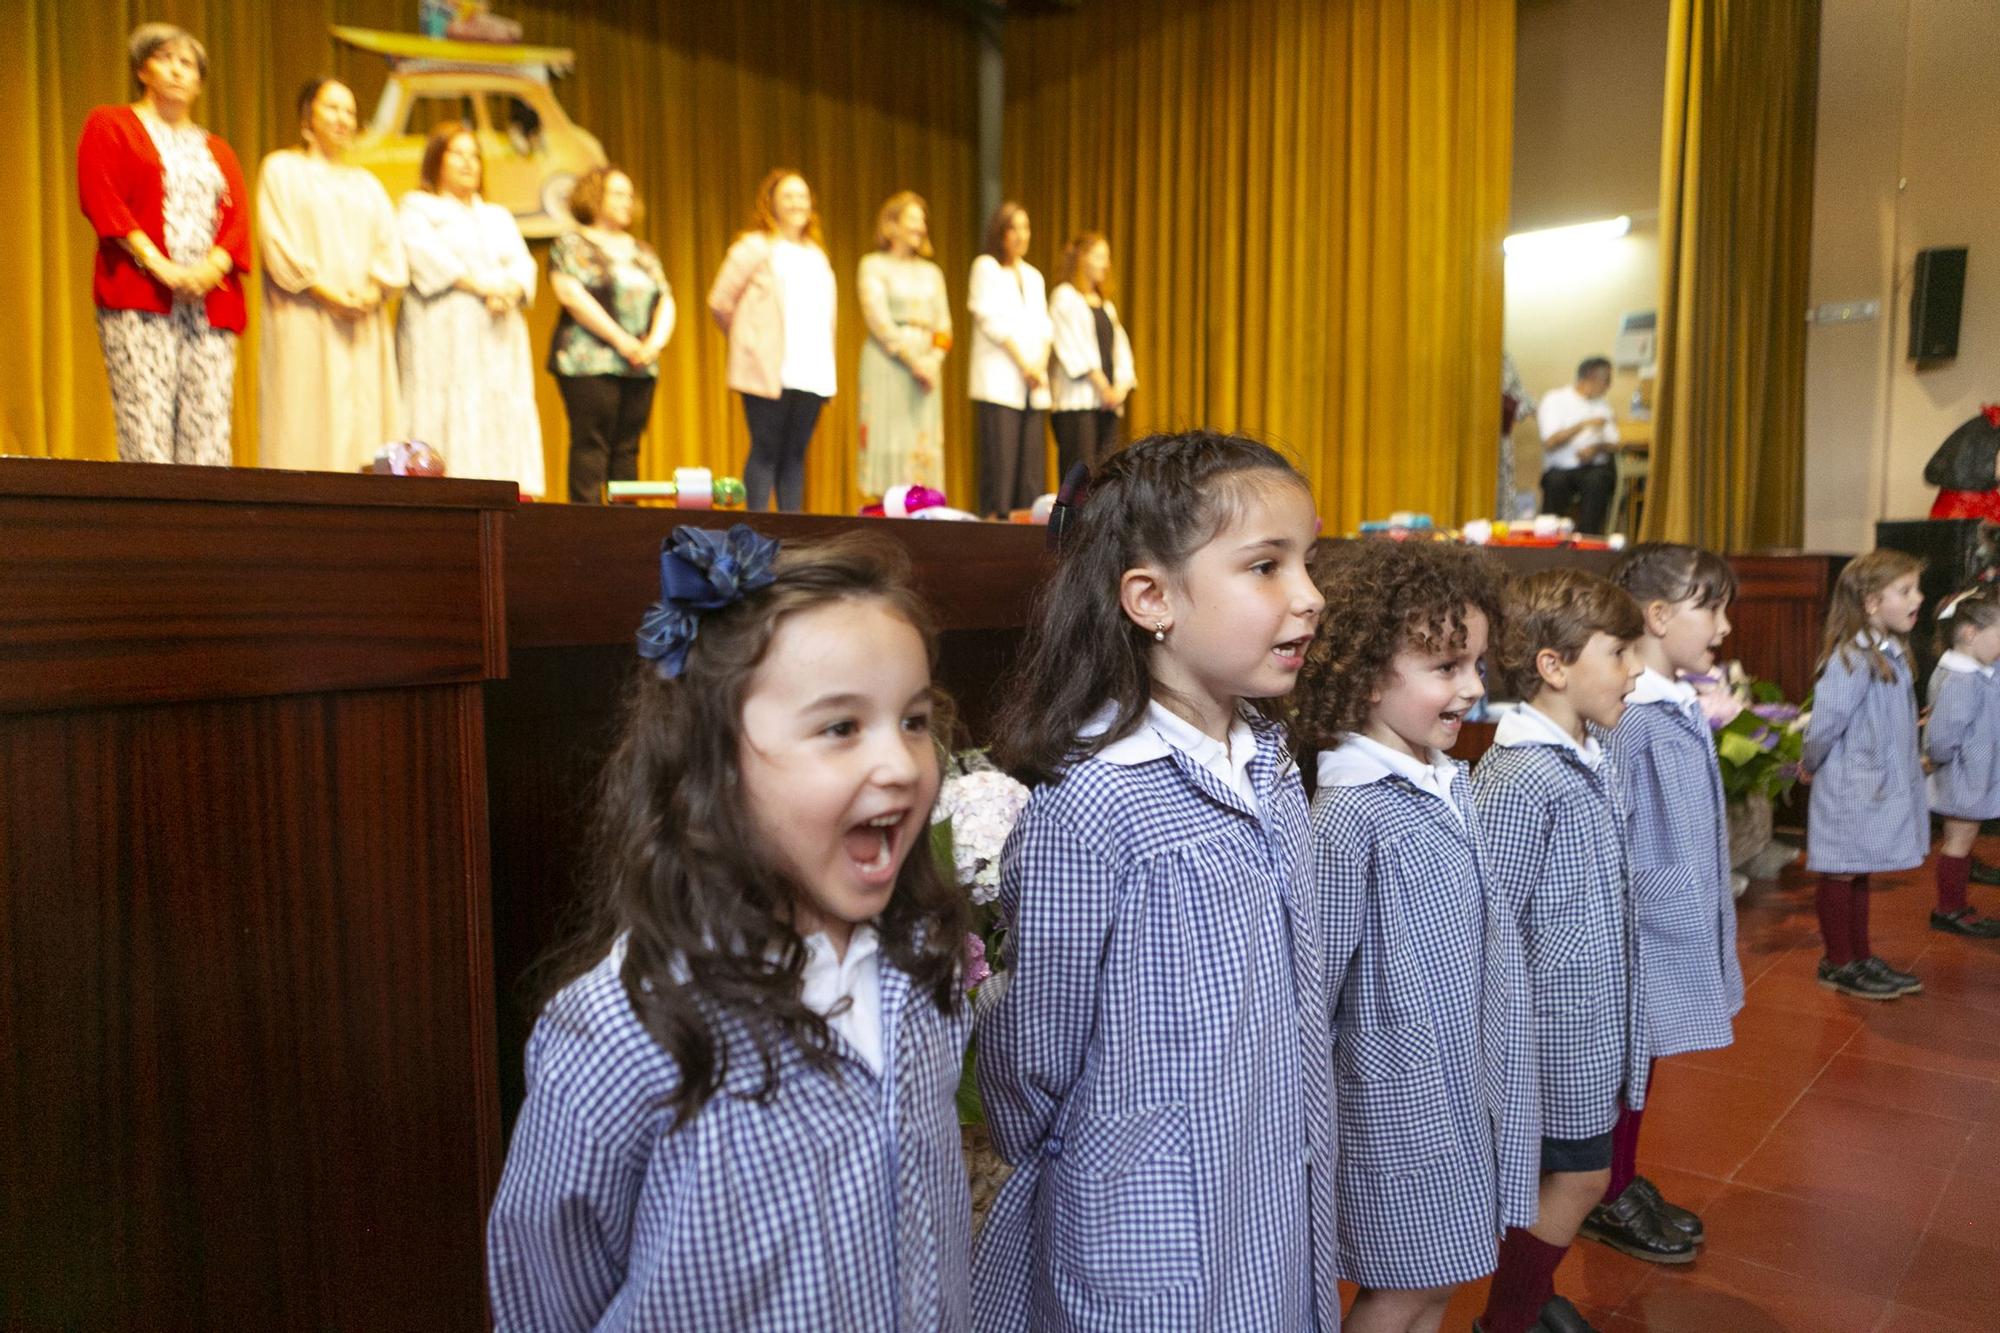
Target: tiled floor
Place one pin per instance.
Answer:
(1845, 1155)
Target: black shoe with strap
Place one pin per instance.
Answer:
(1858, 981)
(1628, 1225)
(1671, 1215)
(1906, 983)
(1965, 921)
(1559, 1316)
(1983, 873)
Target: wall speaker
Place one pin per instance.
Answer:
(1937, 296)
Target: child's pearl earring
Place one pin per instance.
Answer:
(1159, 631)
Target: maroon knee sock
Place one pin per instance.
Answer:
(1954, 876)
(1522, 1284)
(1624, 1151)
(1857, 919)
(1836, 925)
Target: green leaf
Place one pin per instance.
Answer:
(943, 851)
(970, 1110)
(1735, 747)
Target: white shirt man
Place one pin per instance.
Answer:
(1579, 436)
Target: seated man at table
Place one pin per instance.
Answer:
(1579, 439)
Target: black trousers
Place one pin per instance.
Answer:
(780, 430)
(1088, 436)
(1588, 488)
(607, 415)
(1012, 467)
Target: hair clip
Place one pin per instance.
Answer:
(1950, 607)
(1075, 489)
(701, 570)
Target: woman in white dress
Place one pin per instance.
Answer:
(327, 235)
(461, 338)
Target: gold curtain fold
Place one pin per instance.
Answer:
(696, 100)
(1736, 178)
(1305, 201)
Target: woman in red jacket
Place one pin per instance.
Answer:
(173, 239)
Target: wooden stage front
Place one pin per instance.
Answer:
(292, 773)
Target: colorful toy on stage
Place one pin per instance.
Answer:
(407, 458)
(691, 488)
(1546, 531)
(916, 502)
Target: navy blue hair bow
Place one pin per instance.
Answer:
(701, 570)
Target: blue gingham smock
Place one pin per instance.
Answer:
(1869, 810)
(1433, 1036)
(1677, 841)
(1548, 812)
(840, 1204)
(1963, 738)
(1156, 1066)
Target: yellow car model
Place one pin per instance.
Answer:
(534, 152)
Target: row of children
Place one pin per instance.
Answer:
(1241, 1049)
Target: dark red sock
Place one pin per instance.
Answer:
(1522, 1284)
(1836, 924)
(1954, 876)
(1857, 919)
(1624, 1151)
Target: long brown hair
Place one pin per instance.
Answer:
(679, 868)
(1847, 618)
(1156, 502)
(1073, 254)
(764, 213)
(996, 230)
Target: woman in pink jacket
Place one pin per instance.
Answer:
(775, 300)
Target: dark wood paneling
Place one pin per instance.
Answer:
(117, 598)
(246, 1006)
(578, 575)
(1779, 615)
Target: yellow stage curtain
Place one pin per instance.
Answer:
(696, 100)
(1305, 201)
(1736, 178)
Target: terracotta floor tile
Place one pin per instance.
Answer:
(1837, 1174)
(1955, 1051)
(1807, 1240)
(1598, 1276)
(1953, 1279)
(1981, 1160)
(1901, 1088)
(1968, 1214)
(1795, 1058)
(1909, 1136)
(1707, 1122)
(1905, 1319)
(1718, 1293)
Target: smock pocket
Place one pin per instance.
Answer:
(1391, 1110)
(1558, 970)
(1121, 1205)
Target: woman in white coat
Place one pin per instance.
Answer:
(461, 339)
(1093, 363)
(1009, 368)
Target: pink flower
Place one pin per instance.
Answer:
(977, 969)
(1719, 704)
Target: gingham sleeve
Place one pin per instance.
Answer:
(1340, 880)
(1516, 826)
(1836, 697)
(562, 1222)
(1056, 895)
(1950, 722)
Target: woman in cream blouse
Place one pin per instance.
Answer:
(1093, 365)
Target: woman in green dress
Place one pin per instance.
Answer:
(902, 362)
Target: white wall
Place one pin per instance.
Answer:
(1908, 156)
